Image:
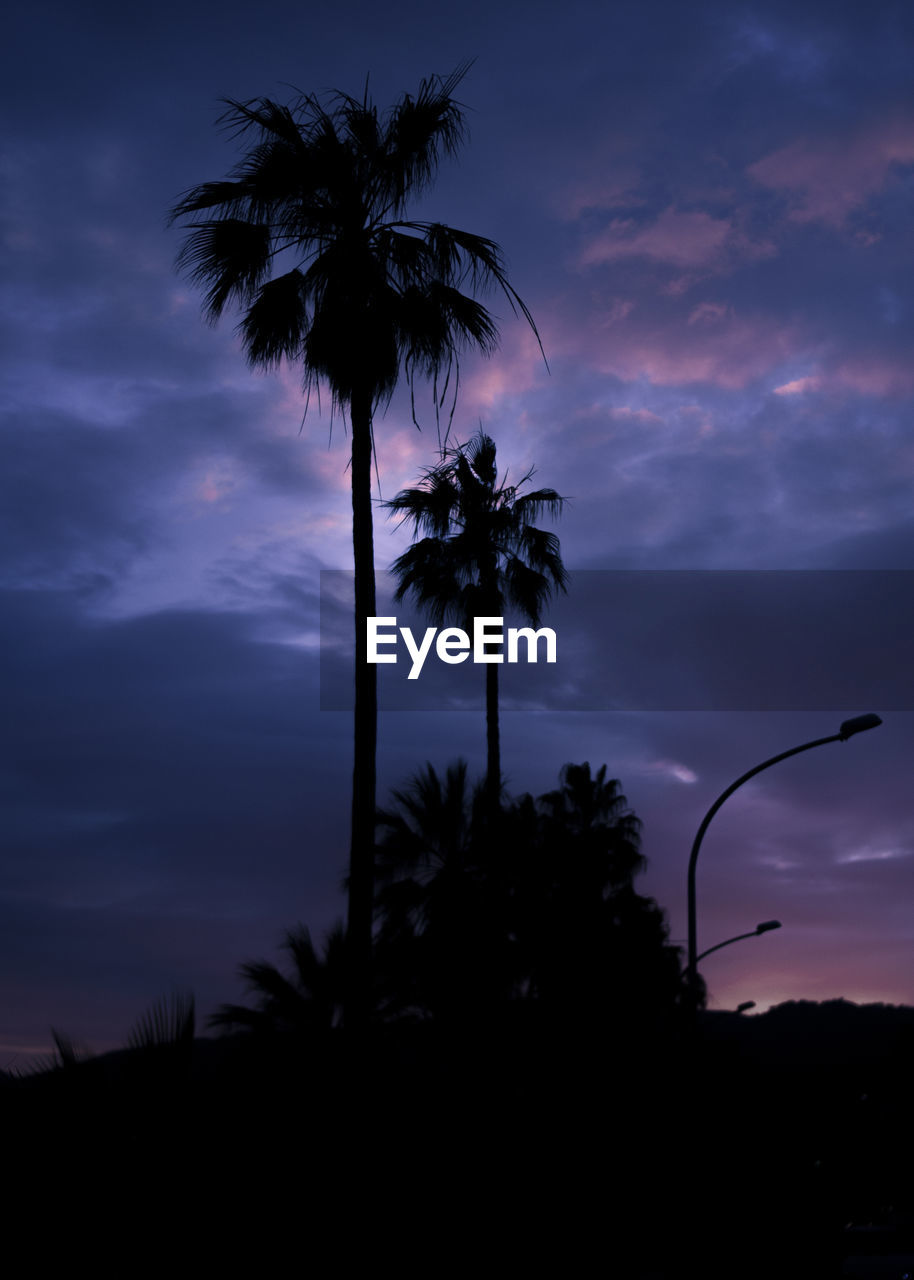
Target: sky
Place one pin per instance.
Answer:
(706, 207)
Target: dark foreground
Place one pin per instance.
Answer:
(746, 1150)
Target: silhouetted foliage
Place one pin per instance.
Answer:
(443, 940)
(65, 1057)
(533, 903)
(482, 554)
(307, 1003)
(168, 1024)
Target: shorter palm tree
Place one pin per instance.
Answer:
(593, 811)
(482, 554)
(442, 900)
(581, 915)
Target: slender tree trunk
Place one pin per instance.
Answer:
(490, 598)
(361, 849)
(493, 747)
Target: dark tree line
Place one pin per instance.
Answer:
(531, 906)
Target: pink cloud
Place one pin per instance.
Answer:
(624, 413)
(831, 177)
(608, 193)
(798, 386)
(717, 343)
(219, 481)
(874, 376)
(729, 354)
(683, 239)
(869, 375)
(619, 309)
(708, 313)
(515, 369)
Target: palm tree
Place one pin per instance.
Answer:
(482, 553)
(591, 944)
(593, 811)
(308, 1003)
(310, 236)
(442, 900)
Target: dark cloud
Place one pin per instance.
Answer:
(162, 766)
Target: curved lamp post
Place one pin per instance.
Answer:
(765, 927)
(857, 725)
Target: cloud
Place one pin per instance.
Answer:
(870, 854)
(516, 369)
(583, 196)
(163, 756)
(731, 352)
(679, 238)
(708, 313)
(624, 413)
(672, 769)
(798, 386)
(874, 374)
(827, 178)
(868, 374)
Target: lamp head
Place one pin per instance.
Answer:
(767, 925)
(858, 724)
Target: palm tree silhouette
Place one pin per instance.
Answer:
(482, 553)
(534, 905)
(593, 811)
(308, 1002)
(309, 236)
(590, 941)
(441, 901)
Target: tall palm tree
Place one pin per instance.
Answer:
(481, 554)
(309, 235)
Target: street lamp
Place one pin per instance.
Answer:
(856, 725)
(765, 927)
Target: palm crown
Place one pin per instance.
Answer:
(323, 192)
(482, 553)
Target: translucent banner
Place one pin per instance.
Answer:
(645, 640)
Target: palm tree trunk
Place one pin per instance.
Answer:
(493, 747)
(361, 849)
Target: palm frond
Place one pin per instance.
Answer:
(67, 1053)
(269, 118)
(272, 327)
(229, 196)
(169, 1023)
(229, 258)
(418, 130)
(428, 573)
(533, 505)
